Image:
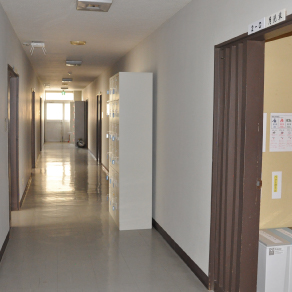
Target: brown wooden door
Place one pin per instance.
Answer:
(99, 128)
(86, 122)
(33, 130)
(41, 132)
(13, 137)
(237, 153)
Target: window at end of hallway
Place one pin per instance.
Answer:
(54, 111)
(59, 96)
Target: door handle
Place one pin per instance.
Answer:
(259, 183)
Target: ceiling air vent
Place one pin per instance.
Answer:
(73, 63)
(94, 5)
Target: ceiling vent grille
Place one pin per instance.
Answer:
(94, 5)
(73, 63)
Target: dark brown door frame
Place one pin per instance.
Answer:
(238, 111)
(99, 129)
(41, 130)
(33, 129)
(86, 123)
(13, 138)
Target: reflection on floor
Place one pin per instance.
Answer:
(64, 240)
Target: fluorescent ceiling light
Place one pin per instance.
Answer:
(94, 5)
(73, 63)
(47, 85)
(67, 79)
(64, 87)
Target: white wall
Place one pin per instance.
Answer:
(181, 56)
(77, 95)
(11, 53)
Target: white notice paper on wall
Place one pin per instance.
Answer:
(264, 132)
(276, 185)
(281, 132)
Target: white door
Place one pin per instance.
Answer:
(57, 122)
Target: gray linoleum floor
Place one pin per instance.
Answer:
(64, 240)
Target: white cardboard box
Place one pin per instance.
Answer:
(273, 262)
(286, 234)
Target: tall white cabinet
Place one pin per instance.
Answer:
(130, 150)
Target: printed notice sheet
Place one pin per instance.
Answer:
(281, 132)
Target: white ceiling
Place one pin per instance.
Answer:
(109, 35)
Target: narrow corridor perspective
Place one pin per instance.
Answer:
(64, 240)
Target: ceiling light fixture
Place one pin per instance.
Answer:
(94, 5)
(66, 87)
(67, 79)
(47, 85)
(64, 83)
(38, 45)
(69, 73)
(73, 63)
(78, 43)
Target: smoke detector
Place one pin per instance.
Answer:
(94, 5)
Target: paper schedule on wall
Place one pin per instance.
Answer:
(281, 132)
(276, 185)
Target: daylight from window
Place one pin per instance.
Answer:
(54, 111)
(59, 95)
(67, 112)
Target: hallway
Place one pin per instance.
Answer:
(63, 239)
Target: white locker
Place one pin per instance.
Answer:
(130, 150)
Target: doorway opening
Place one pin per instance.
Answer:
(13, 135)
(57, 121)
(277, 135)
(237, 159)
(99, 129)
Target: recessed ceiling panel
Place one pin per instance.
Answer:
(94, 5)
